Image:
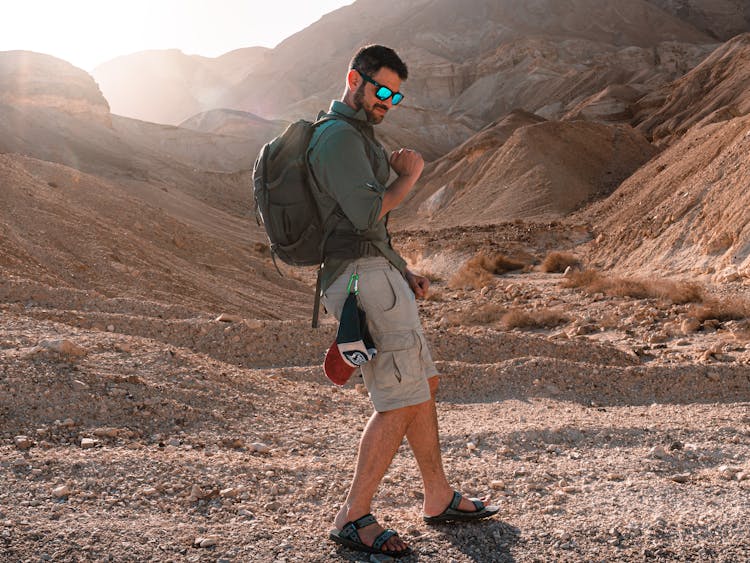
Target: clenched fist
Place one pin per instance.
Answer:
(406, 162)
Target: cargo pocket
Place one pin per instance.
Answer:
(396, 363)
(376, 293)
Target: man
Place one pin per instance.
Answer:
(351, 169)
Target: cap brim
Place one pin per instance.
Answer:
(335, 367)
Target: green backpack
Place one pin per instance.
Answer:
(287, 200)
(286, 197)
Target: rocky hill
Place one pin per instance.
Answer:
(515, 170)
(714, 91)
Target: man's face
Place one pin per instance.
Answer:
(364, 96)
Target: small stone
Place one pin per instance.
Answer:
(689, 326)
(111, 328)
(272, 506)
(79, 385)
(149, 492)
(196, 493)
(681, 477)
(308, 439)
(209, 541)
(471, 446)
(230, 492)
(260, 448)
(658, 452)
(498, 485)
(63, 347)
(727, 473)
(23, 442)
(361, 389)
(676, 445)
(227, 318)
(87, 443)
(61, 491)
(106, 432)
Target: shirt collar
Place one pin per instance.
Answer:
(343, 109)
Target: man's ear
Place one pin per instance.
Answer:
(352, 80)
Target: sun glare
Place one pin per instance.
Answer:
(87, 33)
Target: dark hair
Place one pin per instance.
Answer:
(371, 58)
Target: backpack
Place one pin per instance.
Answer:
(285, 197)
(286, 201)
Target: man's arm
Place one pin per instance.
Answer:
(408, 164)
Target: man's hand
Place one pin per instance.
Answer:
(418, 284)
(406, 162)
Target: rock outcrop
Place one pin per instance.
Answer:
(35, 80)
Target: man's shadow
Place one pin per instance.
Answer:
(488, 541)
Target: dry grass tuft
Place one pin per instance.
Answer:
(477, 272)
(543, 318)
(558, 262)
(592, 281)
(734, 309)
(483, 315)
(433, 277)
(435, 295)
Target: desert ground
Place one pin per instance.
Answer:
(583, 221)
(136, 430)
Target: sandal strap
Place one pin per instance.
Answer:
(478, 504)
(455, 501)
(349, 531)
(382, 538)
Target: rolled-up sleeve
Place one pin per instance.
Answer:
(340, 165)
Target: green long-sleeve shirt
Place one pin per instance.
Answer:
(351, 168)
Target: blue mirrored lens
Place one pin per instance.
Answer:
(397, 97)
(383, 93)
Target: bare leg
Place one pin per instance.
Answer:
(380, 441)
(422, 434)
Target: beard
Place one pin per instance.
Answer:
(359, 102)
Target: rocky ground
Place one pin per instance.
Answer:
(143, 431)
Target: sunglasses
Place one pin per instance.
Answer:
(382, 93)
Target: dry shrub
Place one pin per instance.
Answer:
(483, 315)
(435, 295)
(592, 281)
(585, 279)
(477, 271)
(680, 292)
(542, 318)
(734, 309)
(558, 262)
(433, 277)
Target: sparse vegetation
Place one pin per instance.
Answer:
(733, 309)
(558, 262)
(478, 271)
(542, 318)
(433, 277)
(483, 315)
(678, 293)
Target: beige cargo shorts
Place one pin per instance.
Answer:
(397, 376)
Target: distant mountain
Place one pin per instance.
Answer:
(169, 86)
(525, 168)
(716, 90)
(471, 63)
(721, 19)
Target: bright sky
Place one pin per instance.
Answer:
(90, 32)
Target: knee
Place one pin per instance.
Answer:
(433, 381)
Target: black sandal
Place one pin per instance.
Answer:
(348, 536)
(453, 514)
